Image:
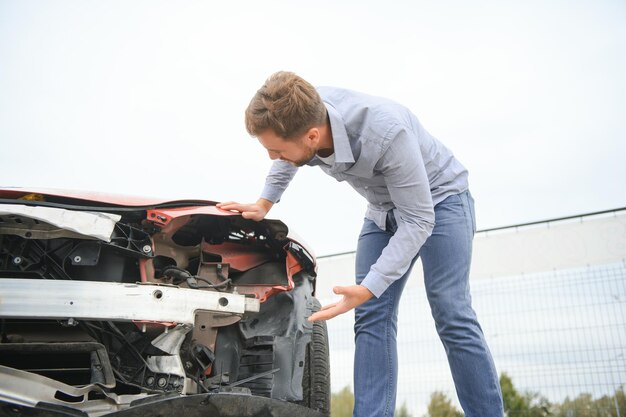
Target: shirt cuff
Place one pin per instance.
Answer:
(376, 283)
(272, 193)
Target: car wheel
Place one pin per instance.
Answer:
(316, 377)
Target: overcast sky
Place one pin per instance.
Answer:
(147, 98)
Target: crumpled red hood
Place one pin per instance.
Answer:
(200, 207)
(118, 199)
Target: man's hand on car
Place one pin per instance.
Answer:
(353, 296)
(255, 211)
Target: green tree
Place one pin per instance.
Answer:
(620, 399)
(518, 404)
(441, 406)
(585, 406)
(581, 406)
(514, 403)
(342, 403)
(402, 411)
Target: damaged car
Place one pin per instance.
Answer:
(112, 305)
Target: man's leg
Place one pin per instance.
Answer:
(375, 329)
(446, 258)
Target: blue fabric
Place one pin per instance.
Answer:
(446, 257)
(387, 156)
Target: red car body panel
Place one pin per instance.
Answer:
(158, 216)
(241, 259)
(117, 199)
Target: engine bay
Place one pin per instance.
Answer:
(179, 300)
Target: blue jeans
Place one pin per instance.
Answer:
(446, 257)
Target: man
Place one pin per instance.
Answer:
(419, 204)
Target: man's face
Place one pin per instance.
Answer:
(296, 151)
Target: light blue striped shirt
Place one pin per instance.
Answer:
(385, 154)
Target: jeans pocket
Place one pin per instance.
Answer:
(391, 225)
(470, 204)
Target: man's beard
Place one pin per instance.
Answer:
(303, 161)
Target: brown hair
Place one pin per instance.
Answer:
(287, 104)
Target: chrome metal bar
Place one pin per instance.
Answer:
(61, 299)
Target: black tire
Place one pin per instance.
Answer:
(316, 377)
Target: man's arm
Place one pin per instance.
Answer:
(280, 175)
(405, 175)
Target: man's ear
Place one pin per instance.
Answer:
(313, 136)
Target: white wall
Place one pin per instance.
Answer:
(587, 240)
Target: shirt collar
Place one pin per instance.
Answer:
(341, 142)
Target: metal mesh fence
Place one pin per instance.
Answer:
(557, 335)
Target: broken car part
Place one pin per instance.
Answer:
(112, 306)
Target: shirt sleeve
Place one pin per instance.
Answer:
(280, 175)
(402, 167)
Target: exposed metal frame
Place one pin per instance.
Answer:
(29, 389)
(63, 299)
